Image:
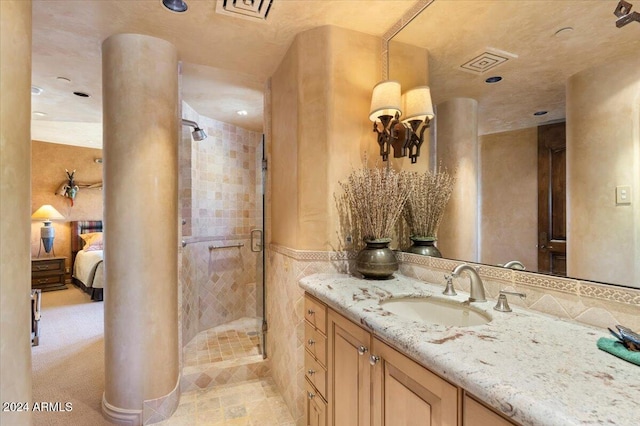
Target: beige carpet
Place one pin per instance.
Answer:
(68, 364)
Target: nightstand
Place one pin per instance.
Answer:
(48, 273)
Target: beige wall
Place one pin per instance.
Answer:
(509, 197)
(603, 152)
(15, 172)
(320, 129)
(49, 161)
(457, 150)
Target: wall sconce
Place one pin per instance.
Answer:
(418, 115)
(624, 14)
(47, 213)
(387, 105)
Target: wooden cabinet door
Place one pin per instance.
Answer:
(407, 394)
(316, 408)
(349, 381)
(476, 414)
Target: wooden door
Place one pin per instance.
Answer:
(349, 382)
(552, 195)
(407, 394)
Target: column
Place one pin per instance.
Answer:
(140, 127)
(457, 150)
(15, 208)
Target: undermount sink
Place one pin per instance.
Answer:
(435, 311)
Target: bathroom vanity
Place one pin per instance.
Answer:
(367, 366)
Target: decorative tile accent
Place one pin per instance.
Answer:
(599, 291)
(546, 281)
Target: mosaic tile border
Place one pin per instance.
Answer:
(575, 287)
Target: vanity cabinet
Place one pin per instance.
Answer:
(315, 361)
(370, 383)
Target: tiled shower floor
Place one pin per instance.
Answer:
(232, 341)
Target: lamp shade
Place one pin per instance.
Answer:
(416, 104)
(47, 213)
(385, 99)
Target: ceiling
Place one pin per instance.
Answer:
(226, 60)
(540, 57)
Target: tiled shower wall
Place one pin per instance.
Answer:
(220, 203)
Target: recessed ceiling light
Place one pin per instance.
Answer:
(63, 79)
(175, 5)
(35, 90)
(82, 94)
(39, 113)
(540, 113)
(493, 79)
(242, 112)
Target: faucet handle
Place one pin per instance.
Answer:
(503, 305)
(449, 291)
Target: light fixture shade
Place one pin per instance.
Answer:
(47, 213)
(416, 104)
(385, 100)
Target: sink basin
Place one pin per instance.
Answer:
(435, 311)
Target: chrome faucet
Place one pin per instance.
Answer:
(514, 264)
(477, 288)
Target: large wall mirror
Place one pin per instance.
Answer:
(561, 70)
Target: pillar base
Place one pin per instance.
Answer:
(121, 416)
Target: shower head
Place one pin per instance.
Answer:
(198, 134)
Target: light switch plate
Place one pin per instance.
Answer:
(623, 194)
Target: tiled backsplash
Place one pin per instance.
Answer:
(589, 303)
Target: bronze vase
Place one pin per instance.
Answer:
(424, 246)
(377, 261)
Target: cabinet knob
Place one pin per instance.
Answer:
(373, 359)
(311, 395)
(311, 342)
(311, 311)
(311, 372)
(362, 350)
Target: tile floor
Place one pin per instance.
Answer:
(235, 340)
(251, 403)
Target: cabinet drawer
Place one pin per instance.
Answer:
(316, 313)
(53, 265)
(55, 279)
(316, 407)
(316, 343)
(315, 373)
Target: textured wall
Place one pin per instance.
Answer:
(509, 197)
(321, 95)
(603, 151)
(457, 126)
(49, 161)
(15, 171)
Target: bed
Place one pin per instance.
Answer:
(87, 257)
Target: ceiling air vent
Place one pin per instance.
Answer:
(486, 61)
(247, 9)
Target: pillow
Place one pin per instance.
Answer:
(92, 241)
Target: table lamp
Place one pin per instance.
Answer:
(47, 213)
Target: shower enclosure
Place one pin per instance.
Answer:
(222, 258)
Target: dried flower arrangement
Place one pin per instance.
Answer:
(375, 199)
(425, 207)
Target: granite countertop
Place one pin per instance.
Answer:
(534, 368)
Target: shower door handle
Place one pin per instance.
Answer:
(256, 245)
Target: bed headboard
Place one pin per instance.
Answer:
(82, 227)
